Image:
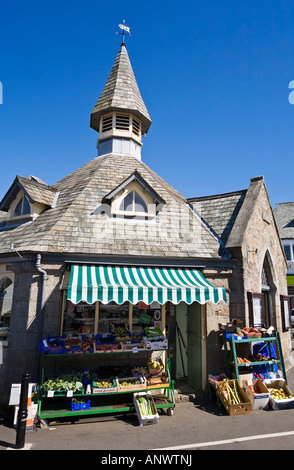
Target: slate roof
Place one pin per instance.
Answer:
(220, 211)
(71, 226)
(284, 216)
(35, 189)
(121, 93)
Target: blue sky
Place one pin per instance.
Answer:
(213, 74)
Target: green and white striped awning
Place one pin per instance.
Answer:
(136, 284)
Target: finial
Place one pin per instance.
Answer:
(124, 28)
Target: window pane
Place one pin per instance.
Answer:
(140, 205)
(287, 252)
(17, 210)
(127, 203)
(26, 206)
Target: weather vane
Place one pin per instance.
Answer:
(124, 30)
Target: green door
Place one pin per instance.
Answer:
(194, 345)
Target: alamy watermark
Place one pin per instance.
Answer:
(291, 96)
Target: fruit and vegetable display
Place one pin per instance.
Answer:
(118, 340)
(231, 391)
(121, 332)
(154, 364)
(129, 383)
(254, 358)
(154, 367)
(146, 405)
(280, 394)
(80, 404)
(102, 384)
(254, 389)
(79, 401)
(242, 360)
(65, 383)
(140, 370)
(153, 332)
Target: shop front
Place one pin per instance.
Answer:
(128, 329)
(97, 297)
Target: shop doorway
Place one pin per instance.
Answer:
(186, 344)
(194, 335)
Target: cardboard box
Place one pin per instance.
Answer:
(259, 400)
(282, 404)
(160, 343)
(242, 408)
(145, 419)
(243, 375)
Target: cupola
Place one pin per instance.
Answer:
(120, 115)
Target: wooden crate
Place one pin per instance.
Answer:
(131, 388)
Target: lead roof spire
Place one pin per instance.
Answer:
(120, 113)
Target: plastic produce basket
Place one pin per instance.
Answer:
(80, 406)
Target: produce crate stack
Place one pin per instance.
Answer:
(107, 369)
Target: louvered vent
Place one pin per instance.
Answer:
(106, 123)
(136, 127)
(122, 122)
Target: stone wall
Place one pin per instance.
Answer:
(262, 246)
(26, 325)
(215, 314)
(253, 243)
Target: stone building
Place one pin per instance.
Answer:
(114, 234)
(284, 215)
(245, 223)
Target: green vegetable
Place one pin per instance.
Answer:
(231, 391)
(69, 382)
(146, 405)
(79, 402)
(153, 331)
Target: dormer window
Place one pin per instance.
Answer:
(133, 203)
(133, 198)
(22, 208)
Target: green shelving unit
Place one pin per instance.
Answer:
(101, 403)
(272, 361)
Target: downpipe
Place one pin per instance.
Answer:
(44, 279)
(40, 315)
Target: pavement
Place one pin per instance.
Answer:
(197, 423)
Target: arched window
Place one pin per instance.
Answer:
(22, 208)
(133, 203)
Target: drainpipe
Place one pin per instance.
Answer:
(44, 279)
(40, 310)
